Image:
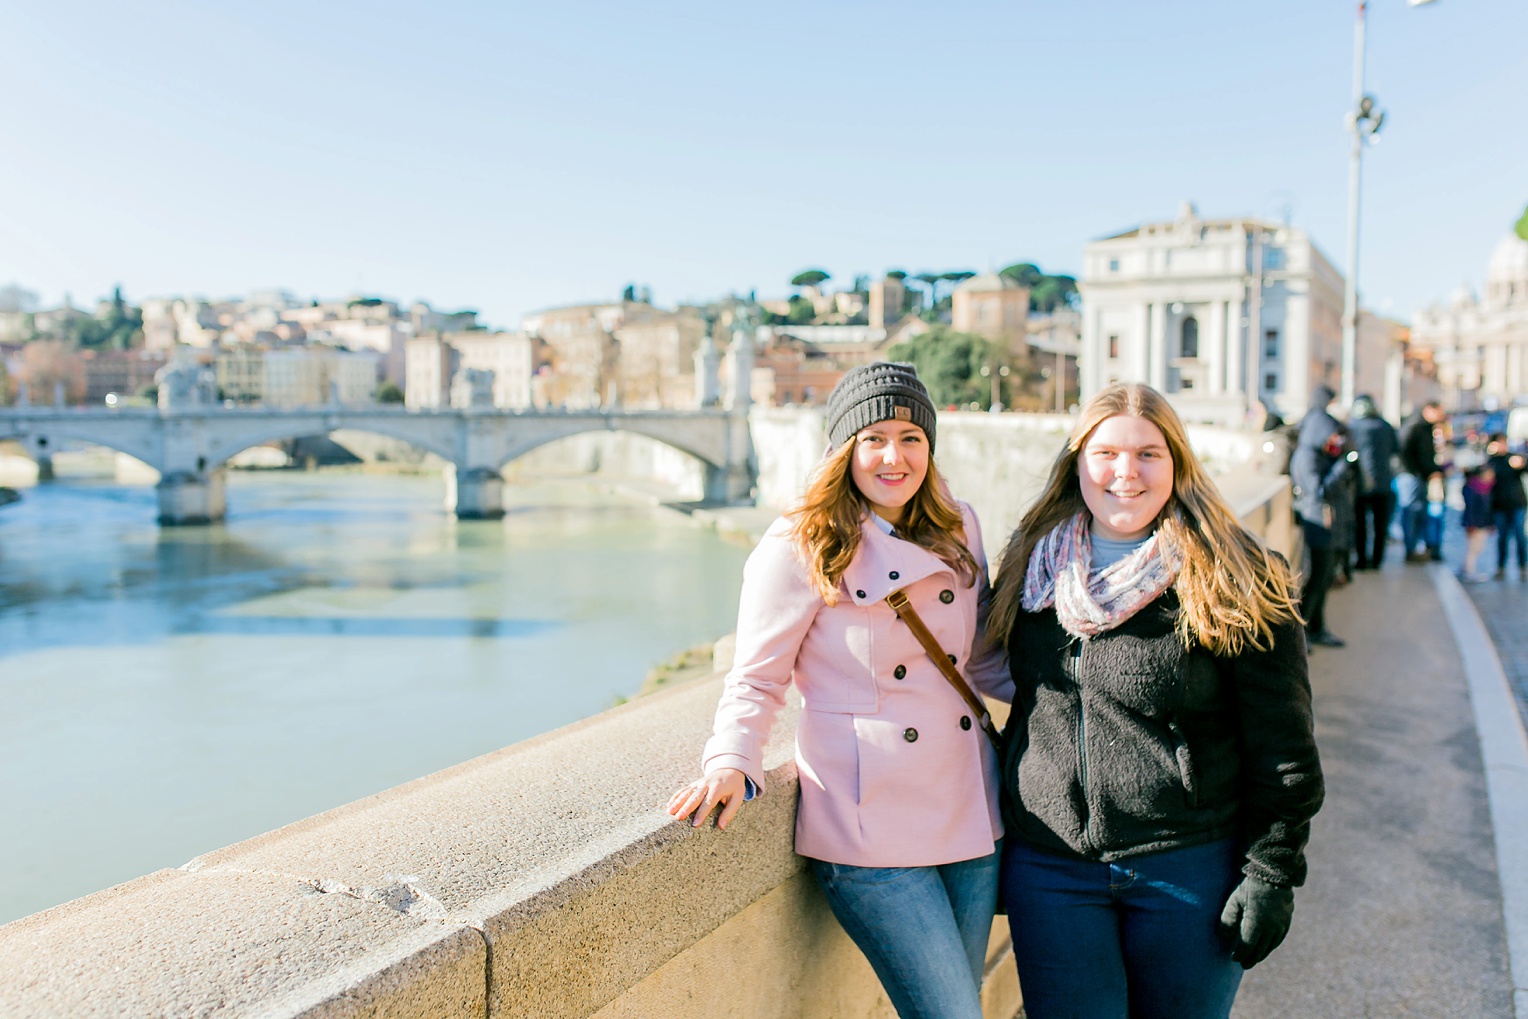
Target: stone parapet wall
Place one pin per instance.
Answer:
(542, 880)
(996, 462)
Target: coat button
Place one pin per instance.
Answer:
(900, 672)
(859, 594)
(895, 575)
(965, 722)
(952, 660)
(911, 735)
(947, 596)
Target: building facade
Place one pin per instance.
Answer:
(655, 359)
(429, 363)
(1217, 314)
(1480, 344)
(581, 353)
(511, 357)
(993, 307)
(302, 376)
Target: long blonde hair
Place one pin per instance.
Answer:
(826, 522)
(1231, 589)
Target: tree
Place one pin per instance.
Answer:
(1026, 274)
(629, 294)
(1053, 293)
(896, 274)
(1046, 293)
(810, 278)
(802, 312)
(958, 278)
(950, 364)
(1522, 226)
(389, 392)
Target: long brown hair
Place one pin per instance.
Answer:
(826, 523)
(1231, 589)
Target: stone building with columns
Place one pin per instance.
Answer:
(1480, 344)
(1216, 313)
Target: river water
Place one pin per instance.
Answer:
(167, 691)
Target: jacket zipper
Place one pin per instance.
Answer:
(1082, 746)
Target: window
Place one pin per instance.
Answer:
(1114, 345)
(1271, 343)
(1188, 346)
(1114, 265)
(1270, 382)
(1186, 382)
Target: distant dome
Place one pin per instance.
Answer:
(988, 282)
(1509, 261)
(1462, 297)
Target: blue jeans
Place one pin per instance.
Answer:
(924, 929)
(1509, 525)
(1132, 939)
(1411, 496)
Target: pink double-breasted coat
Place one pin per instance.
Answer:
(894, 771)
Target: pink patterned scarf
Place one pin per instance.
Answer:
(1087, 606)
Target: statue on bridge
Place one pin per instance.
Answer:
(472, 389)
(185, 386)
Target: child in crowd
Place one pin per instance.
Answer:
(1477, 519)
(1437, 505)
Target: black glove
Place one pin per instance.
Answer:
(1255, 920)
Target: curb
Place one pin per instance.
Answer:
(1504, 751)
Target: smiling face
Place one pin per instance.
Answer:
(1126, 473)
(888, 467)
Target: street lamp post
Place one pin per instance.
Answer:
(1364, 121)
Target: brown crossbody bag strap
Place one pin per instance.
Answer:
(904, 608)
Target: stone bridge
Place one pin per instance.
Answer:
(190, 444)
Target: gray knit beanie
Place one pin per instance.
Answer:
(882, 391)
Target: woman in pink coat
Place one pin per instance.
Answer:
(899, 812)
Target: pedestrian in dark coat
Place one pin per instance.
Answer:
(1317, 469)
(1419, 466)
(1376, 443)
(1508, 504)
(1160, 770)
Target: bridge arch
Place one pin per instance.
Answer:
(40, 439)
(231, 443)
(528, 444)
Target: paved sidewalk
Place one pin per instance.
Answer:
(1402, 915)
(1503, 607)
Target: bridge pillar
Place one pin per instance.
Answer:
(474, 493)
(729, 485)
(41, 452)
(186, 497)
(733, 483)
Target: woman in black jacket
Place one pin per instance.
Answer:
(1161, 772)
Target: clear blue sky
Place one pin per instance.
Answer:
(509, 156)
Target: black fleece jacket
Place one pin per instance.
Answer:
(1129, 743)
